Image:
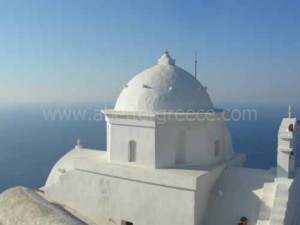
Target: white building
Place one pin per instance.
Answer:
(169, 161)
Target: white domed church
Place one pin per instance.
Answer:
(164, 87)
(170, 161)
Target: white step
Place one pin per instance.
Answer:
(270, 187)
(280, 204)
(264, 213)
(263, 222)
(267, 201)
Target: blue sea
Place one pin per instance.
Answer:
(31, 142)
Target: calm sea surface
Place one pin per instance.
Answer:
(30, 144)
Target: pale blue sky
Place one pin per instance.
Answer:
(66, 51)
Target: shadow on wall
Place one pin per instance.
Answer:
(292, 216)
(236, 195)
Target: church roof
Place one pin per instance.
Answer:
(164, 87)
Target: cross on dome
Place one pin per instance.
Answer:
(166, 59)
(78, 142)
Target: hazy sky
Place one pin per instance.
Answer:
(86, 50)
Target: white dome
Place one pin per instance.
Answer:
(164, 87)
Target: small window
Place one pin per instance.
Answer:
(291, 128)
(217, 148)
(291, 143)
(132, 151)
(126, 223)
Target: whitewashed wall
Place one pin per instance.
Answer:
(103, 198)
